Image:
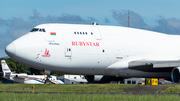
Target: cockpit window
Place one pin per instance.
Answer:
(38, 30)
(43, 30)
(34, 30)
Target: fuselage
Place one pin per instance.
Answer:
(32, 79)
(91, 49)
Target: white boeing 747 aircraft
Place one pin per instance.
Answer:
(26, 79)
(103, 53)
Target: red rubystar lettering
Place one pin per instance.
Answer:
(80, 43)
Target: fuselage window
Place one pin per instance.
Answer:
(43, 30)
(84, 33)
(91, 33)
(34, 30)
(37, 29)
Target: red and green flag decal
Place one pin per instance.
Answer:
(53, 33)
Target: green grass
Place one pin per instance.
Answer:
(79, 88)
(172, 89)
(66, 88)
(85, 97)
(82, 97)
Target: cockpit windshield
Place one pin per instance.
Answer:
(38, 30)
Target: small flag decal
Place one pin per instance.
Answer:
(53, 33)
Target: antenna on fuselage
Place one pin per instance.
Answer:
(94, 23)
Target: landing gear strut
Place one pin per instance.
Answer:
(47, 75)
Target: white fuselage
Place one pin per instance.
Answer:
(31, 79)
(64, 48)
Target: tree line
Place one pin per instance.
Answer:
(20, 68)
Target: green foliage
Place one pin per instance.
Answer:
(173, 89)
(20, 68)
(16, 66)
(57, 74)
(35, 71)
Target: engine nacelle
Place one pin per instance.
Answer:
(101, 78)
(175, 75)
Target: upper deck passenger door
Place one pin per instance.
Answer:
(96, 32)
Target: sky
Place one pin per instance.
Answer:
(18, 17)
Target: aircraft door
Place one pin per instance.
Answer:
(96, 32)
(68, 52)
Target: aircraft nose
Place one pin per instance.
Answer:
(11, 50)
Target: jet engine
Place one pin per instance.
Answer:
(101, 78)
(175, 75)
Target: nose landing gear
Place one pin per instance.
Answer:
(47, 75)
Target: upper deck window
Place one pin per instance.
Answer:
(38, 30)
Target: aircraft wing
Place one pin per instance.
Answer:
(153, 66)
